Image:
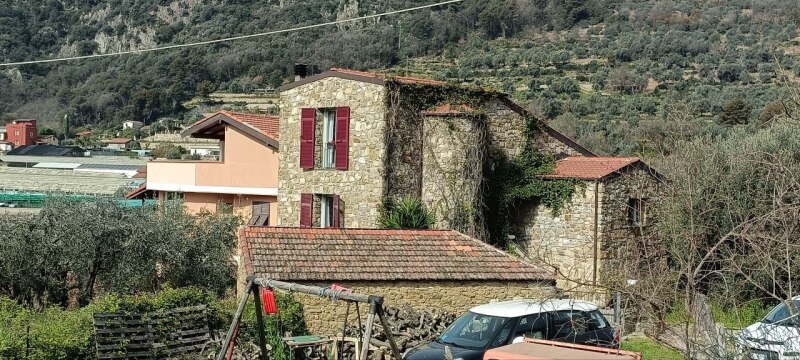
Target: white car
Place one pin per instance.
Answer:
(777, 336)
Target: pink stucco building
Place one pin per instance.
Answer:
(244, 179)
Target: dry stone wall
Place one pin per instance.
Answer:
(361, 186)
(324, 316)
(452, 170)
(621, 241)
(565, 239)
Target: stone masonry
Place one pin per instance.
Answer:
(571, 239)
(362, 184)
(325, 317)
(452, 169)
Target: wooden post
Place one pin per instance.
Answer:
(262, 340)
(388, 330)
(235, 323)
(368, 331)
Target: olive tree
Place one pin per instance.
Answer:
(74, 249)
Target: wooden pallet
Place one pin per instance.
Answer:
(171, 334)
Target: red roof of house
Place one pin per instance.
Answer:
(141, 173)
(296, 254)
(119, 141)
(449, 109)
(402, 79)
(133, 194)
(83, 133)
(589, 168)
(266, 124)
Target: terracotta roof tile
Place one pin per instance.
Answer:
(119, 141)
(266, 124)
(301, 254)
(589, 168)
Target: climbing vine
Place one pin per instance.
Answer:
(502, 184)
(521, 180)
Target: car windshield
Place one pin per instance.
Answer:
(472, 331)
(787, 313)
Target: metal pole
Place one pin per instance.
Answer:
(617, 308)
(262, 340)
(368, 333)
(388, 330)
(316, 290)
(236, 318)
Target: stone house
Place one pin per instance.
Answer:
(611, 211)
(426, 269)
(353, 141)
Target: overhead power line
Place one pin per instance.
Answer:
(206, 42)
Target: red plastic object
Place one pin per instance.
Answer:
(337, 287)
(268, 301)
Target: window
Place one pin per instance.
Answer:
(475, 331)
(532, 326)
(326, 211)
(16, 132)
(570, 323)
(259, 214)
(332, 149)
(637, 212)
(321, 210)
(328, 138)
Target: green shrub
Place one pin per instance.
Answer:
(408, 213)
(58, 334)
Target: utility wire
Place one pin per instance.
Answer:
(159, 48)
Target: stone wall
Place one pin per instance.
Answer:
(506, 129)
(325, 317)
(361, 186)
(553, 146)
(452, 170)
(621, 241)
(565, 239)
(404, 144)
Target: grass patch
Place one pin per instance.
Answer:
(650, 349)
(729, 316)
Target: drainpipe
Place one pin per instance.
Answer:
(596, 217)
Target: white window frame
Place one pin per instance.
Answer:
(328, 138)
(326, 211)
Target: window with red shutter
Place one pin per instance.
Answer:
(342, 138)
(338, 212)
(307, 124)
(306, 210)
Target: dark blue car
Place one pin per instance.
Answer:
(493, 325)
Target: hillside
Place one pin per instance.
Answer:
(621, 76)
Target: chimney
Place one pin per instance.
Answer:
(300, 71)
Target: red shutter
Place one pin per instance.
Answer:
(338, 212)
(307, 119)
(342, 138)
(335, 220)
(306, 209)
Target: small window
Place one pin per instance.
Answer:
(326, 211)
(16, 132)
(328, 138)
(260, 214)
(637, 212)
